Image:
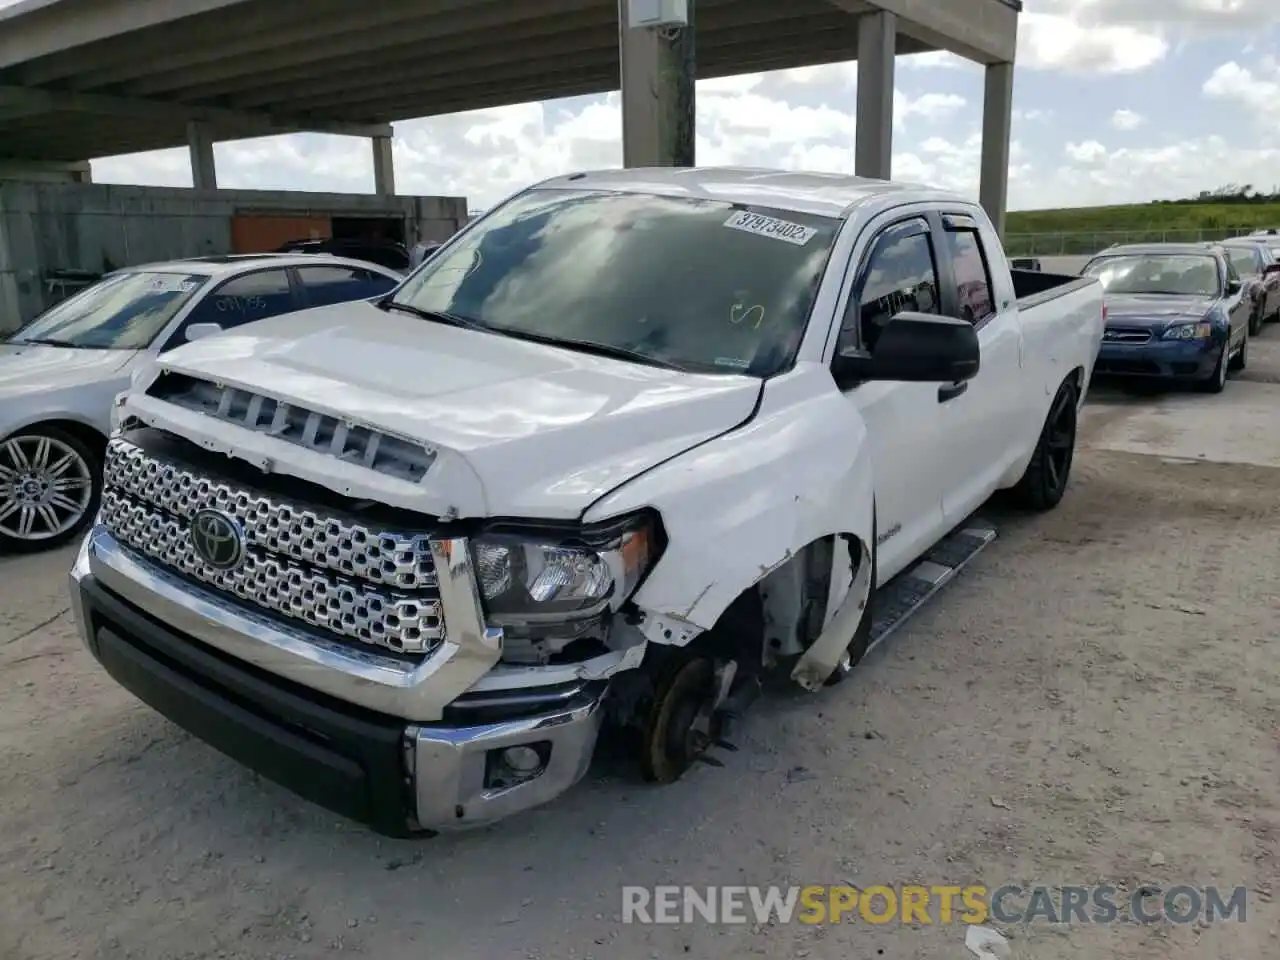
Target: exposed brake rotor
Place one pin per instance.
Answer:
(687, 719)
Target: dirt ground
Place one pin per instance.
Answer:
(1095, 701)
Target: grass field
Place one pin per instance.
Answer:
(1087, 229)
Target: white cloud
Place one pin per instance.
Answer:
(1126, 120)
(1089, 152)
(1257, 89)
(1058, 43)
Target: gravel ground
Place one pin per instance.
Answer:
(1095, 700)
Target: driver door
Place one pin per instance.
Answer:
(903, 420)
(1239, 306)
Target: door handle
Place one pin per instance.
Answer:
(949, 391)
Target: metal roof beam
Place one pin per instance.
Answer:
(325, 35)
(432, 81)
(230, 124)
(985, 31)
(586, 74)
(31, 30)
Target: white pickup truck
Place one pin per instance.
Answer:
(623, 445)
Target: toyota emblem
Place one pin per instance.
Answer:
(217, 539)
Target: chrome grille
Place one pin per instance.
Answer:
(321, 432)
(1126, 335)
(357, 581)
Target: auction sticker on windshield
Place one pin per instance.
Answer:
(172, 283)
(771, 227)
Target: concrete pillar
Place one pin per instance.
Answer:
(384, 167)
(873, 133)
(204, 173)
(659, 114)
(997, 114)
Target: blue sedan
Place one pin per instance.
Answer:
(1174, 311)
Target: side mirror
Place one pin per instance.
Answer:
(1234, 287)
(914, 348)
(198, 331)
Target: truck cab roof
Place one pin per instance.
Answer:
(821, 194)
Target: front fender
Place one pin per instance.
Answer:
(741, 505)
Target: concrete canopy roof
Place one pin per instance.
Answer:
(91, 78)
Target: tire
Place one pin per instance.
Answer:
(1241, 359)
(50, 488)
(1045, 481)
(1217, 380)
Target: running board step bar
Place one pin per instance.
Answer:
(906, 593)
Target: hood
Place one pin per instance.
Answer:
(1155, 310)
(37, 368)
(543, 431)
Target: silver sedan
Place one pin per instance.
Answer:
(60, 374)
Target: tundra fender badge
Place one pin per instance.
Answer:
(888, 534)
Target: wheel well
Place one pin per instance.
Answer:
(1076, 379)
(86, 434)
(782, 613)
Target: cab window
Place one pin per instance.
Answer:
(900, 274)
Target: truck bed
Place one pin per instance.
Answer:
(1033, 287)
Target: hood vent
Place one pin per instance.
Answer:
(320, 432)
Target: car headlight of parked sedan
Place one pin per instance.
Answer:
(1202, 330)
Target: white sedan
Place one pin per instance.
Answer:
(60, 373)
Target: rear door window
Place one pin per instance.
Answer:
(974, 301)
(323, 285)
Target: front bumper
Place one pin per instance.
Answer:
(1171, 359)
(397, 776)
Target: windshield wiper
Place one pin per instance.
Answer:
(592, 347)
(436, 316)
(45, 342)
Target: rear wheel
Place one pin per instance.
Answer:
(1256, 321)
(1045, 481)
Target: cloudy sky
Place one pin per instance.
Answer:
(1115, 100)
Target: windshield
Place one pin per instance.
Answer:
(1185, 274)
(693, 283)
(123, 311)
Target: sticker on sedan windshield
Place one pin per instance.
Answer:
(771, 227)
(172, 284)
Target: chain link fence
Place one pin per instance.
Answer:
(1086, 243)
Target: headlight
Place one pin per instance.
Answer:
(1189, 331)
(528, 577)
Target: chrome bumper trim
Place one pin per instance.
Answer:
(449, 765)
(364, 677)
